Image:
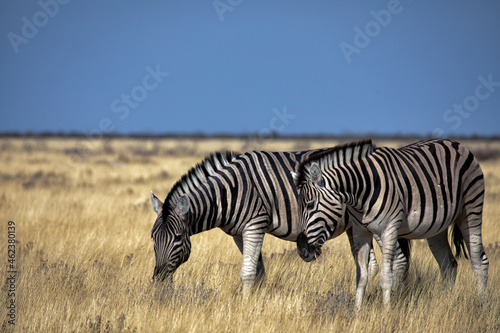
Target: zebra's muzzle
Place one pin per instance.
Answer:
(161, 274)
(306, 251)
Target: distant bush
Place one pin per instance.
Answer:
(486, 154)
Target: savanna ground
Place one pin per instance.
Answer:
(84, 257)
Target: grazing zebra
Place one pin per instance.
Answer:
(417, 191)
(245, 195)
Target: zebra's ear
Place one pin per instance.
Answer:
(157, 204)
(316, 174)
(183, 205)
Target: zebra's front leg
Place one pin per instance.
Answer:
(252, 245)
(261, 270)
(362, 247)
(401, 260)
(389, 240)
(372, 264)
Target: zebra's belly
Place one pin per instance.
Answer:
(416, 226)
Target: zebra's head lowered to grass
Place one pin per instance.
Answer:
(320, 223)
(321, 204)
(170, 233)
(183, 214)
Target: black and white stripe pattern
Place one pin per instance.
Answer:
(246, 195)
(417, 191)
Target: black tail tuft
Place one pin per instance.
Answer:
(458, 241)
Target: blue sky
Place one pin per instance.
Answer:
(239, 66)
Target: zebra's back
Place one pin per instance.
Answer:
(270, 174)
(435, 181)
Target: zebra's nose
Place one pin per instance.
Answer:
(302, 246)
(158, 274)
(302, 241)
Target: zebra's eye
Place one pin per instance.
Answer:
(310, 204)
(177, 238)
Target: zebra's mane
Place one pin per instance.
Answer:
(335, 156)
(197, 175)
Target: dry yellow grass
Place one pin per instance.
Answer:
(84, 255)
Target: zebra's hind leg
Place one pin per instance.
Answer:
(471, 232)
(440, 248)
(261, 270)
(469, 223)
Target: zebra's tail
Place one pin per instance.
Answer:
(458, 241)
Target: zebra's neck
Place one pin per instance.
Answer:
(339, 170)
(193, 181)
(205, 209)
(344, 155)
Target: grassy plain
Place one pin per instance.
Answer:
(85, 258)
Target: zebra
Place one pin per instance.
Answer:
(245, 195)
(414, 192)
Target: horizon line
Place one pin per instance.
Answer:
(222, 135)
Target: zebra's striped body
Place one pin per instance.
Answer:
(417, 191)
(245, 195)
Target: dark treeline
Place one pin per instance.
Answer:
(320, 136)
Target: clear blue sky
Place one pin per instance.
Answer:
(241, 66)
